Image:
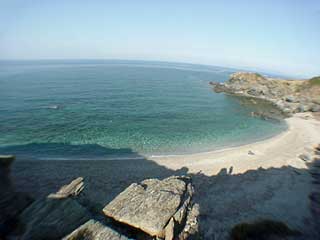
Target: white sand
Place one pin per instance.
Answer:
(277, 187)
(282, 150)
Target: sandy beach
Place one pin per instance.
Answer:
(279, 151)
(262, 180)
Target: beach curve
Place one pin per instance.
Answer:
(281, 150)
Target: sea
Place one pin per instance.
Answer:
(119, 109)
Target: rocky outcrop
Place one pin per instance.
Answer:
(52, 218)
(94, 230)
(70, 190)
(55, 216)
(161, 209)
(12, 203)
(290, 96)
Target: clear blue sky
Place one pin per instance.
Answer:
(278, 35)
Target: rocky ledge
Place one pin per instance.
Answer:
(290, 96)
(159, 208)
(152, 209)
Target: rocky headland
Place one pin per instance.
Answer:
(290, 96)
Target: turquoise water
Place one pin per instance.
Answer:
(107, 109)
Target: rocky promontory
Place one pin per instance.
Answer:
(290, 96)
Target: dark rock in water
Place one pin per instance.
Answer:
(218, 87)
(12, 203)
(94, 230)
(52, 218)
(156, 207)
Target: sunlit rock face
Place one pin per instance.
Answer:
(158, 208)
(290, 96)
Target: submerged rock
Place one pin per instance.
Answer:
(94, 230)
(158, 208)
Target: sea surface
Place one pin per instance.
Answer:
(95, 109)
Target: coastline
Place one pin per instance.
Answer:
(281, 150)
(231, 186)
(238, 157)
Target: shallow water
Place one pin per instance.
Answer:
(101, 109)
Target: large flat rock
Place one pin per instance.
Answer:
(151, 204)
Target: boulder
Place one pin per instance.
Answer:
(94, 230)
(315, 108)
(292, 99)
(304, 108)
(156, 207)
(191, 227)
(72, 189)
(257, 91)
(219, 87)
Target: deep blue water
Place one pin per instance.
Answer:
(106, 109)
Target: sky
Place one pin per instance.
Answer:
(280, 36)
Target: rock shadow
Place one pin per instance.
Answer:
(225, 199)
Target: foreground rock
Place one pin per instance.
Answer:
(94, 230)
(158, 208)
(55, 216)
(12, 203)
(289, 96)
(72, 189)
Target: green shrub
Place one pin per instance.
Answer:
(315, 81)
(261, 230)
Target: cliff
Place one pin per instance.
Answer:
(290, 96)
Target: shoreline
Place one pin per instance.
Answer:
(150, 156)
(231, 186)
(303, 132)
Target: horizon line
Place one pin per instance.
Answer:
(234, 67)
